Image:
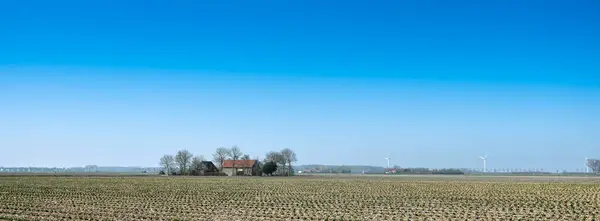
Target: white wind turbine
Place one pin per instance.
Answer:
(388, 161)
(484, 158)
(587, 168)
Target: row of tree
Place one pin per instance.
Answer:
(422, 170)
(282, 159)
(185, 163)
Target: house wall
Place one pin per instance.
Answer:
(228, 171)
(231, 171)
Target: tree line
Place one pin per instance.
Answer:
(185, 163)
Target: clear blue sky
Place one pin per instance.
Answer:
(432, 83)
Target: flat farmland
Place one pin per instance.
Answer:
(299, 198)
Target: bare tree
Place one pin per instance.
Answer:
(275, 157)
(235, 153)
(289, 156)
(260, 164)
(91, 168)
(594, 164)
(167, 162)
(197, 166)
(220, 156)
(184, 160)
(246, 157)
(199, 157)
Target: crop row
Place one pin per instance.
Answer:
(153, 198)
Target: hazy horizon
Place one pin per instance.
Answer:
(431, 85)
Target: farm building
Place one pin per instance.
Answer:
(241, 168)
(208, 168)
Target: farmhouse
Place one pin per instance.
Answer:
(208, 168)
(241, 168)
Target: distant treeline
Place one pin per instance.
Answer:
(317, 168)
(86, 169)
(448, 171)
(356, 169)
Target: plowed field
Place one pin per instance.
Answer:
(298, 198)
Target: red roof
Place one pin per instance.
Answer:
(239, 163)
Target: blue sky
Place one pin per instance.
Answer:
(432, 83)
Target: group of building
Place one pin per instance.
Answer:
(233, 168)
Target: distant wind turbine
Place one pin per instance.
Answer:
(388, 161)
(587, 167)
(484, 158)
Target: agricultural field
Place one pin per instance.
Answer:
(297, 198)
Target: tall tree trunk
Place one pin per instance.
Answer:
(288, 168)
